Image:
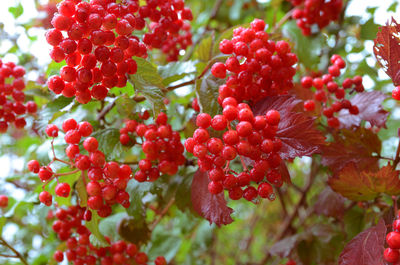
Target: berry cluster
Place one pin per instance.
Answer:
(161, 145)
(70, 228)
(107, 180)
(315, 12)
(96, 47)
(12, 107)
(168, 30)
(95, 40)
(392, 253)
(252, 138)
(330, 94)
(258, 67)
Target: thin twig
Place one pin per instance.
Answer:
(17, 254)
(163, 212)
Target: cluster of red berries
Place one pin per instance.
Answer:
(95, 40)
(3, 201)
(70, 228)
(315, 12)
(392, 253)
(251, 138)
(329, 93)
(96, 46)
(12, 107)
(168, 30)
(107, 180)
(258, 67)
(161, 145)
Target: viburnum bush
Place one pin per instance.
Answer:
(199, 132)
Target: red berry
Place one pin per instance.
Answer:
(219, 70)
(3, 201)
(393, 240)
(34, 166)
(45, 198)
(62, 189)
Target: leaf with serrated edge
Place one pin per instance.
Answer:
(96, 236)
(370, 109)
(366, 248)
(212, 207)
(149, 83)
(356, 145)
(365, 185)
(387, 49)
(297, 131)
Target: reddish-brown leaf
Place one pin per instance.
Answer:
(211, 207)
(365, 185)
(366, 248)
(297, 131)
(330, 204)
(370, 106)
(356, 145)
(387, 50)
(282, 168)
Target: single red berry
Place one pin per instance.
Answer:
(58, 256)
(62, 189)
(219, 70)
(391, 255)
(3, 201)
(34, 166)
(273, 117)
(45, 198)
(393, 240)
(52, 130)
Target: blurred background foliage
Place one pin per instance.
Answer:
(313, 236)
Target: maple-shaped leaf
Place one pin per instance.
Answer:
(370, 109)
(365, 185)
(366, 248)
(356, 145)
(330, 203)
(211, 207)
(387, 50)
(296, 130)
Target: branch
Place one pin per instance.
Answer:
(287, 223)
(163, 212)
(17, 254)
(106, 110)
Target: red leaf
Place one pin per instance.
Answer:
(370, 106)
(283, 170)
(387, 50)
(330, 203)
(211, 207)
(357, 145)
(365, 185)
(297, 131)
(366, 248)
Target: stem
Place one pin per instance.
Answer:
(106, 110)
(163, 212)
(287, 223)
(243, 164)
(397, 157)
(17, 254)
(285, 18)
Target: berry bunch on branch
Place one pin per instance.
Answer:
(161, 145)
(70, 228)
(105, 181)
(96, 39)
(12, 98)
(319, 13)
(330, 94)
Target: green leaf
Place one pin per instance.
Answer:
(307, 49)
(207, 93)
(369, 30)
(175, 71)
(393, 7)
(52, 112)
(204, 51)
(16, 11)
(126, 106)
(2, 223)
(134, 230)
(164, 243)
(136, 192)
(109, 143)
(96, 238)
(108, 226)
(149, 83)
(183, 193)
(81, 189)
